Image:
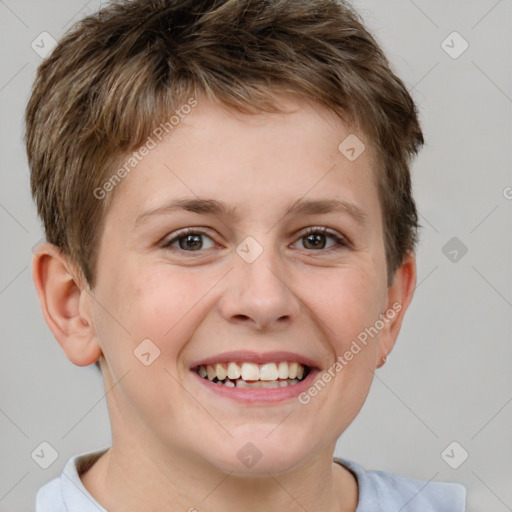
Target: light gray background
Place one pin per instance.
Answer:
(449, 377)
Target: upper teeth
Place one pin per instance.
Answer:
(252, 371)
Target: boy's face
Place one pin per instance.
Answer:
(216, 293)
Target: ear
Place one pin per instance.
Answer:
(399, 297)
(64, 303)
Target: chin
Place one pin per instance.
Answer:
(256, 453)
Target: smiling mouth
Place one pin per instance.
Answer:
(254, 376)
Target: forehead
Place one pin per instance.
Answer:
(251, 161)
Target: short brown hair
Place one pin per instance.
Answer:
(118, 74)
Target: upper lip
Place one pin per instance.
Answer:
(245, 356)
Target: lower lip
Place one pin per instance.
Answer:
(261, 395)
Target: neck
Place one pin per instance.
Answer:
(132, 478)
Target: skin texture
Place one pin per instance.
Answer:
(174, 444)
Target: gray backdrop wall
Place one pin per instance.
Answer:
(448, 378)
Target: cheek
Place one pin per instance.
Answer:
(164, 304)
(351, 309)
(346, 303)
(155, 306)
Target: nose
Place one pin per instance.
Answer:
(259, 294)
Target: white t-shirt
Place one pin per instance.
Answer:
(379, 491)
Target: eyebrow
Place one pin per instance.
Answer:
(218, 208)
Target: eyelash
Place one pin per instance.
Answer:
(340, 242)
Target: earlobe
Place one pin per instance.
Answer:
(60, 297)
(399, 297)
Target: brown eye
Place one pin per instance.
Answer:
(193, 242)
(315, 241)
(315, 238)
(189, 240)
